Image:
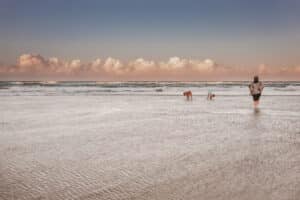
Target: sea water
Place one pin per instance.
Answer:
(143, 140)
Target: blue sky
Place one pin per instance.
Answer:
(232, 32)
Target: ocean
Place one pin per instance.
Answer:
(145, 141)
(53, 88)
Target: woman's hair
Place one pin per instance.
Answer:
(256, 79)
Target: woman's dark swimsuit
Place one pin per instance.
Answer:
(256, 97)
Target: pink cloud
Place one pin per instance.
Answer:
(175, 68)
(112, 65)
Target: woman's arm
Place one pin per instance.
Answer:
(250, 88)
(261, 87)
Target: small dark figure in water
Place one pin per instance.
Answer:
(256, 88)
(188, 94)
(210, 95)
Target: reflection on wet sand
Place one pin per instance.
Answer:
(141, 147)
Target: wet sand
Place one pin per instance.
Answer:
(141, 147)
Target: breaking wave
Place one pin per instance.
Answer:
(238, 88)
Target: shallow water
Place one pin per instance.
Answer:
(149, 147)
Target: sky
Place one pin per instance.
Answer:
(149, 39)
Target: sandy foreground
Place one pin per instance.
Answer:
(149, 147)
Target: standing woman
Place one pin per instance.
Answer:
(256, 88)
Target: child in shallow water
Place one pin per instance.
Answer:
(256, 88)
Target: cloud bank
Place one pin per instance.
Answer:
(36, 67)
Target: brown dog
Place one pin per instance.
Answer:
(210, 96)
(188, 94)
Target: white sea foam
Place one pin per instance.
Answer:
(142, 88)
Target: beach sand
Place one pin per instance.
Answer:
(149, 147)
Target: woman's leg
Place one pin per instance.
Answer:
(256, 100)
(255, 103)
